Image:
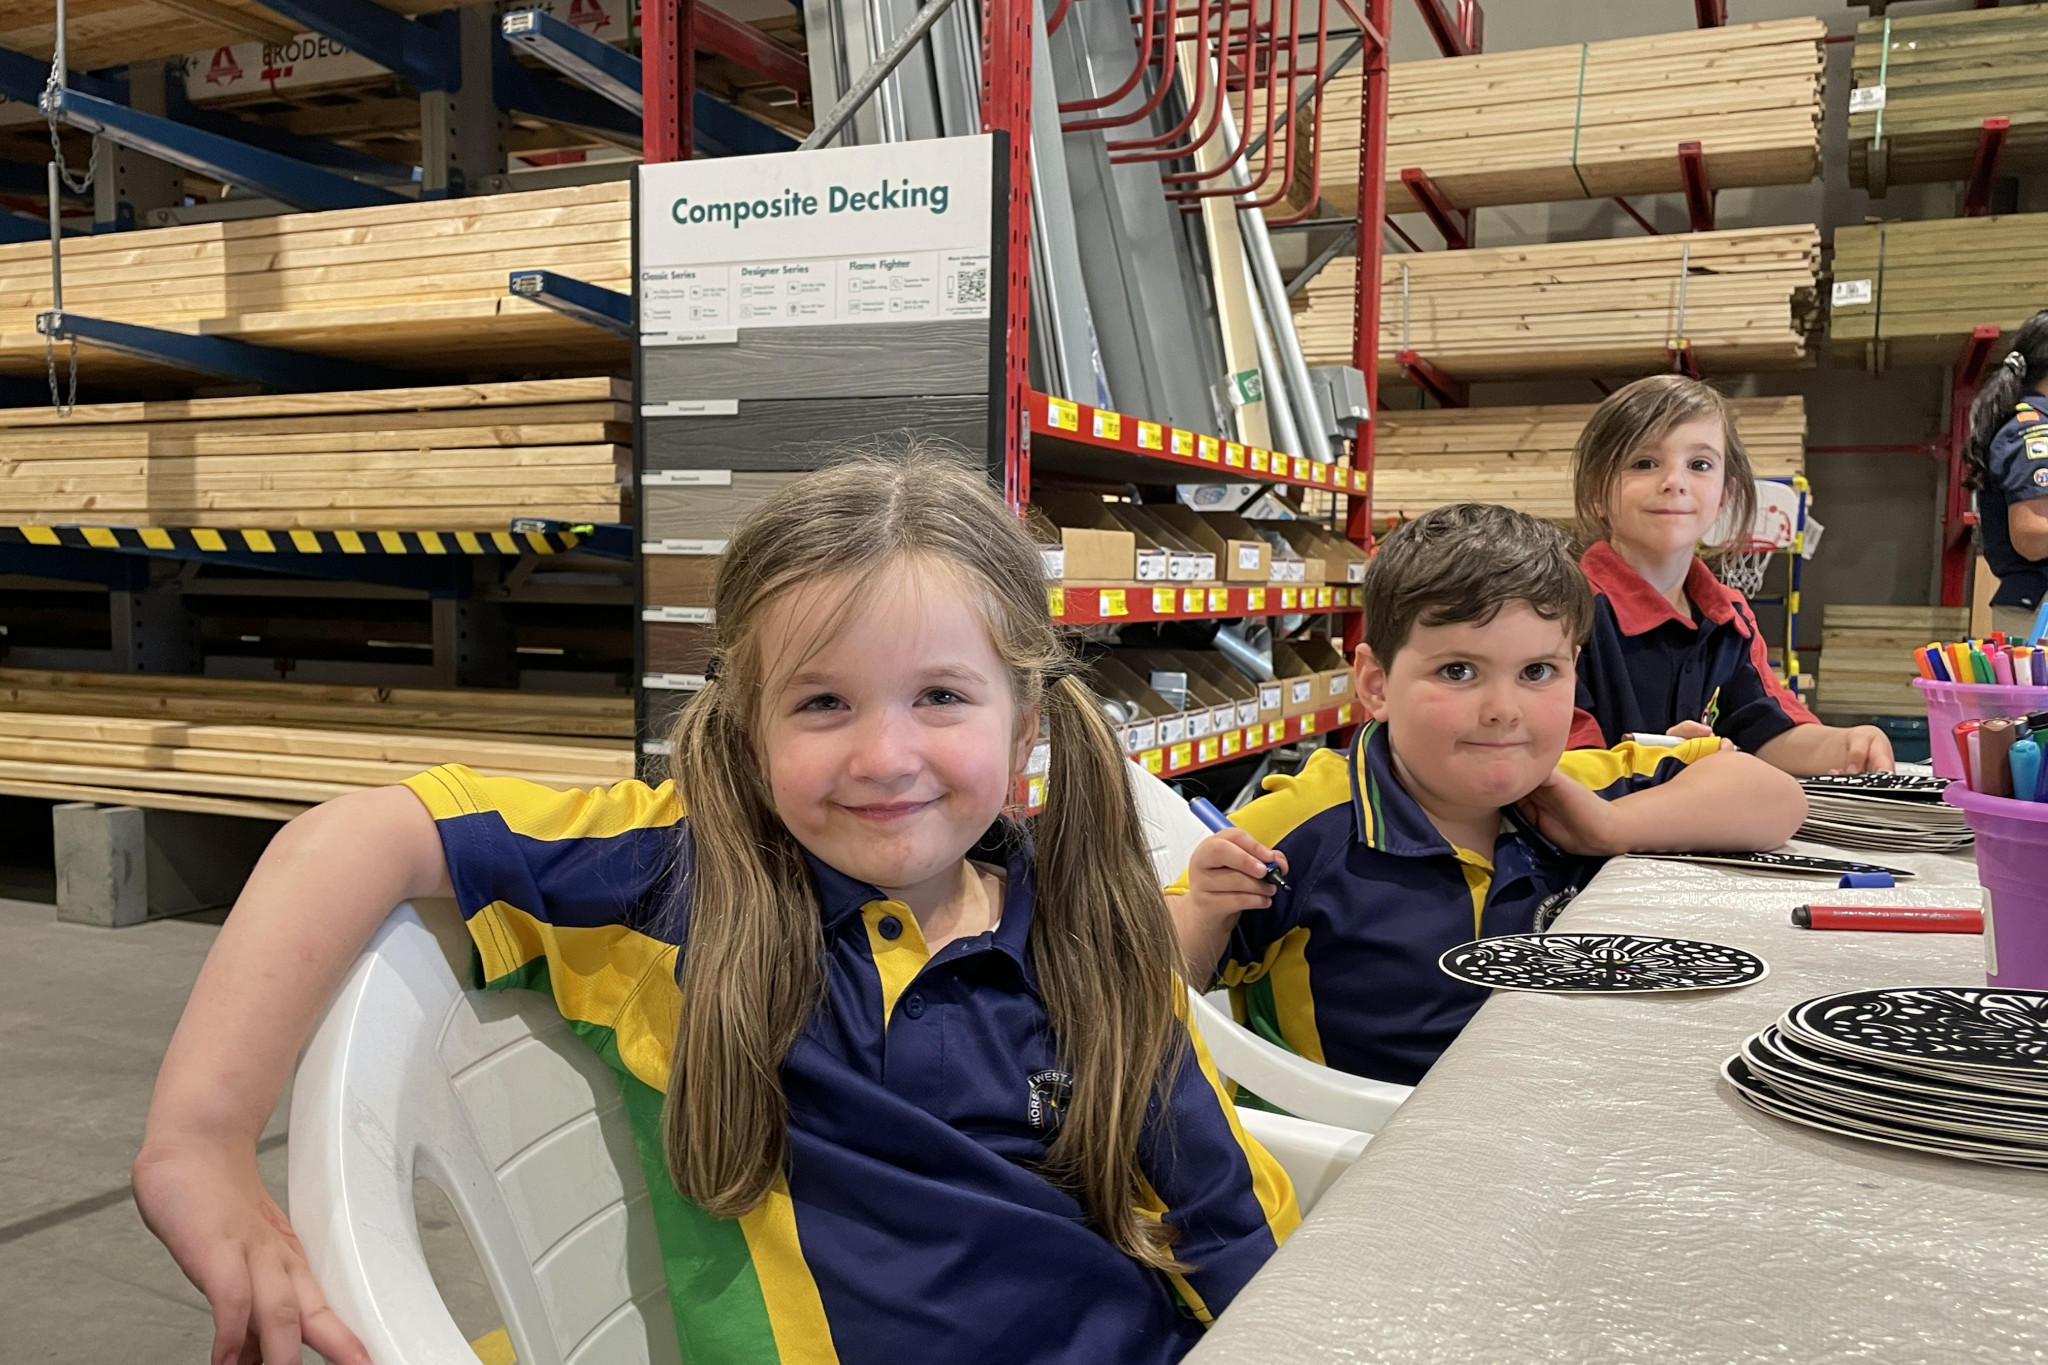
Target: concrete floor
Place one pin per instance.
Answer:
(85, 1015)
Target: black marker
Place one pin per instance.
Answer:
(1205, 811)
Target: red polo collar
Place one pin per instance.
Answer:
(1638, 607)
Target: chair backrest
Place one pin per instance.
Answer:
(1312, 1154)
(493, 1099)
(1272, 1072)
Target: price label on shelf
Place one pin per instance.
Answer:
(1109, 426)
(1276, 731)
(1153, 760)
(1162, 602)
(1183, 442)
(1056, 602)
(1206, 750)
(1300, 468)
(1255, 599)
(1231, 741)
(1219, 599)
(1290, 599)
(1062, 415)
(1233, 454)
(1308, 723)
(1112, 602)
(1344, 714)
(1151, 436)
(1191, 600)
(1318, 472)
(1866, 99)
(1261, 460)
(1207, 448)
(1850, 293)
(1181, 756)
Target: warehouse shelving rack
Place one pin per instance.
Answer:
(1063, 435)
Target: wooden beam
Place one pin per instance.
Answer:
(238, 22)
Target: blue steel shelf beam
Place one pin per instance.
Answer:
(425, 50)
(282, 178)
(591, 63)
(311, 150)
(220, 357)
(23, 77)
(594, 304)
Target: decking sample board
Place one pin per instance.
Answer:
(880, 360)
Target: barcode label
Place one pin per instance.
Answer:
(1850, 292)
(1866, 99)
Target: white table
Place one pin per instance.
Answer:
(1573, 1182)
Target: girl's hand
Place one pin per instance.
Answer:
(1864, 749)
(209, 1207)
(1689, 729)
(1226, 875)
(1573, 817)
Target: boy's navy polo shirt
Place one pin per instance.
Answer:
(2016, 470)
(1342, 966)
(1644, 667)
(914, 1221)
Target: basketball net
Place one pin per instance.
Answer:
(1772, 531)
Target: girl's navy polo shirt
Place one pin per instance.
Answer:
(913, 1223)
(2016, 470)
(1645, 667)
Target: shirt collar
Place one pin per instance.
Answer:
(1388, 818)
(841, 898)
(1638, 607)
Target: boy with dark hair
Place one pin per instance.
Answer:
(1451, 816)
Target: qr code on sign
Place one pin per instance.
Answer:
(970, 289)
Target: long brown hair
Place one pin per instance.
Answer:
(1644, 413)
(1101, 936)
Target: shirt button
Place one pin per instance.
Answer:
(913, 1006)
(890, 928)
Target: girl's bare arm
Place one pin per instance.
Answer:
(326, 882)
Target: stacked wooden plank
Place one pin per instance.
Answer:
(1521, 457)
(415, 284)
(261, 748)
(1941, 76)
(461, 457)
(1592, 120)
(1866, 656)
(1744, 299)
(1911, 293)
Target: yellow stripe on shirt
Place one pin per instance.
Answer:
(1599, 769)
(1270, 1185)
(610, 976)
(796, 1312)
(538, 812)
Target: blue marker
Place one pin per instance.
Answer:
(1217, 821)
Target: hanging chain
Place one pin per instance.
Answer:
(61, 179)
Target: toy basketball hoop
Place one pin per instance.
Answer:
(1776, 525)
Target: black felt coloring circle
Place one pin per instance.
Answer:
(1603, 964)
(1948, 1029)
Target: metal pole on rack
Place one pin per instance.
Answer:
(670, 82)
(1006, 110)
(1372, 215)
(1279, 412)
(871, 80)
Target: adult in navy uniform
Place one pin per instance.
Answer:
(2008, 461)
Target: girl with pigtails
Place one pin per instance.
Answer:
(2008, 466)
(909, 1075)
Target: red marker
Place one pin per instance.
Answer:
(1892, 919)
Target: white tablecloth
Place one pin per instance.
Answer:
(1573, 1182)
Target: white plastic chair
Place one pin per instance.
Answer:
(1318, 1093)
(493, 1099)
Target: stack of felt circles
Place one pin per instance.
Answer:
(1896, 812)
(1956, 1071)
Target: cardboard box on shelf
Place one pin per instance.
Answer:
(1112, 679)
(1287, 563)
(1184, 562)
(1301, 682)
(1343, 562)
(1237, 561)
(1251, 558)
(1178, 678)
(1321, 655)
(1240, 692)
(1084, 546)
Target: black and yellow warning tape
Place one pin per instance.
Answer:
(207, 540)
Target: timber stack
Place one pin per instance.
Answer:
(1911, 293)
(1925, 83)
(1742, 299)
(1521, 457)
(454, 457)
(1866, 656)
(421, 285)
(1593, 119)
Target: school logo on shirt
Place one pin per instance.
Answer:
(2037, 447)
(2041, 478)
(1047, 1102)
(1552, 906)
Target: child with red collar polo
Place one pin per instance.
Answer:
(1672, 650)
(1455, 815)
